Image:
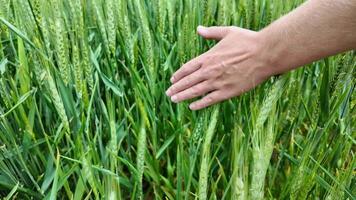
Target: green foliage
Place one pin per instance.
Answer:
(83, 113)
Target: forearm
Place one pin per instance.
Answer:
(243, 59)
(317, 29)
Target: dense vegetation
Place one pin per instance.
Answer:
(83, 113)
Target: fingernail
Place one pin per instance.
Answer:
(168, 92)
(172, 79)
(201, 28)
(193, 106)
(174, 98)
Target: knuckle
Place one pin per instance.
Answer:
(197, 61)
(191, 63)
(201, 89)
(225, 85)
(209, 99)
(216, 84)
(214, 71)
(181, 72)
(206, 73)
(184, 67)
(184, 82)
(173, 88)
(208, 58)
(219, 67)
(224, 96)
(195, 90)
(232, 28)
(176, 75)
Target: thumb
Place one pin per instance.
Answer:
(213, 32)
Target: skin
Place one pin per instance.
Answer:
(242, 59)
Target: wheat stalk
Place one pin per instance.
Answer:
(263, 144)
(57, 101)
(61, 43)
(111, 25)
(102, 25)
(204, 167)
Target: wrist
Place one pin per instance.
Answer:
(275, 53)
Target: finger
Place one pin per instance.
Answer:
(185, 83)
(214, 32)
(195, 91)
(210, 99)
(188, 68)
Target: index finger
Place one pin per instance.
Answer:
(188, 68)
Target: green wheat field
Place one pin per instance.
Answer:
(84, 115)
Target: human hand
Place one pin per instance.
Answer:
(238, 63)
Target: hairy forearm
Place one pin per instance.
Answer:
(317, 29)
